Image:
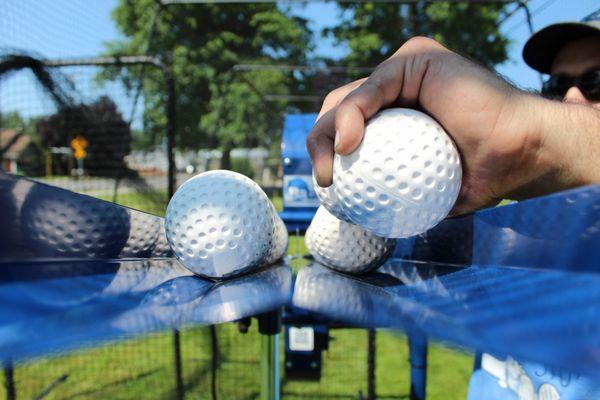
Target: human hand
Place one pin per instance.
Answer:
(488, 119)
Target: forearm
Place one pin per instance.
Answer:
(564, 148)
(581, 155)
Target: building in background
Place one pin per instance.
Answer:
(13, 143)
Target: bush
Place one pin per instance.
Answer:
(243, 166)
(32, 161)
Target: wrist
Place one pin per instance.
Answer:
(572, 138)
(553, 142)
(530, 159)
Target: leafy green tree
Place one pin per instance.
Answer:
(216, 107)
(373, 31)
(12, 120)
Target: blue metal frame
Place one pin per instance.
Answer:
(299, 199)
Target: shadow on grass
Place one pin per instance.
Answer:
(196, 376)
(53, 385)
(288, 394)
(251, 396)
(114, 383)
(202, 374)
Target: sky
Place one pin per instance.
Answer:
(544, 12)
(79, 28)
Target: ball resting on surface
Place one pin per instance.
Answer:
(144, 230)
(402, 180)
(58, 223)
(161, 247)
(343, 246)
(221, 224)
(279, 242)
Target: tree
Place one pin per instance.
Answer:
(216, 107)
(102, 126)
(373, 31)
(12, 120)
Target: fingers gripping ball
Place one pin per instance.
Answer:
(345, 247)
(221, 224)
(402, 180)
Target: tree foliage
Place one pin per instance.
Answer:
(101, 124)
(216, 106)
(219, 107)
(373, 31)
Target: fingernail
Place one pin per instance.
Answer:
(336, 142)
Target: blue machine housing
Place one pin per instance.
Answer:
(300, 201)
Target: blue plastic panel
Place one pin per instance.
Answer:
(520, 280)
(560, 231)
(57, 306)
(75, 270)
(551, 317)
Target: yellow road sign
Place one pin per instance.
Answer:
(79, 144)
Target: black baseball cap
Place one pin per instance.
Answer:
(541, 48)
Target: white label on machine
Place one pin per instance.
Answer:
(302, 339)
(298, 191)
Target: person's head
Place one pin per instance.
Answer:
(570, 54)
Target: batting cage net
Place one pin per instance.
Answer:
(222, 363)
(73, 118)
(80, 128)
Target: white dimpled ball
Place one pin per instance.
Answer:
(144, 230)
(402, 180)
(221, 224)
(279, 242)
(345, 247)
(329, 200)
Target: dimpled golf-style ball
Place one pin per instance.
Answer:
(329, 200)
(345, 247)
(221, 224)
(161, 247)
(325, 292)
(280, 240)
(143, 234)
(60, 223)
(402, 180)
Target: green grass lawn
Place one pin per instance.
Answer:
(143, 368)
(150, 202)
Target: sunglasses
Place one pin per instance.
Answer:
(589, 83)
